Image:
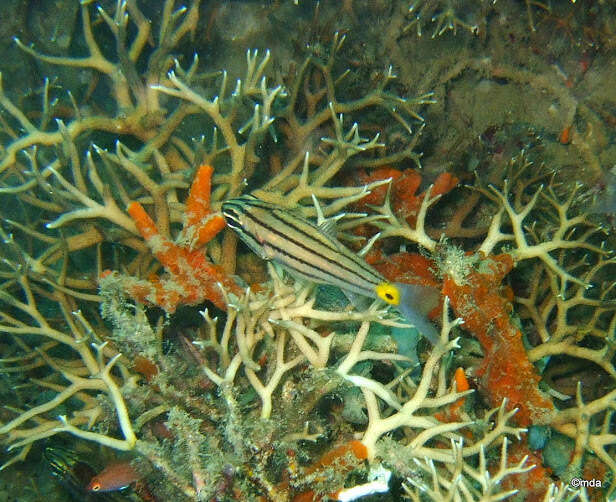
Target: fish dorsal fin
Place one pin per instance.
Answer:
(329, 228)
(326, 225)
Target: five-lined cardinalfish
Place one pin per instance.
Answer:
(308, 251)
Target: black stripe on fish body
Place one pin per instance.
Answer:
(311, 231)
(289, 239)
(312, 272)
(309, 236)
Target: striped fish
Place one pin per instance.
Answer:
(305, 249)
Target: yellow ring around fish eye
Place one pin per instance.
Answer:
(388, 293)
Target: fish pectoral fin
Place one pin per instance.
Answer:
(255, 246)
(419, 322)
(269, 253)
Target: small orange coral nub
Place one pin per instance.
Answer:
(451, 414)
(461, 386)
(145, 224)
(461, 381)
(565, 135)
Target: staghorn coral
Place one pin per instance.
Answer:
(86, 367)
(283, 394)
(71, 181)
(444, 15)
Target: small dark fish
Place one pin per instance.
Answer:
(67, 466)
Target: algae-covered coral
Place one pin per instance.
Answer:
(465, 142)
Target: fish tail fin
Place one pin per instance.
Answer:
(416, 301)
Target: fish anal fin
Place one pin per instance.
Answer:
(359, 301)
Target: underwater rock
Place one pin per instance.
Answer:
(538, 436)
(557, 453)
(52, 23)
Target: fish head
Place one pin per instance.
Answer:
(94, 485)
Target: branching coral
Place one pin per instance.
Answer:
(445, 16)
(71, 182)
(567, 302)
(460, 485)
(87, 367)
(267, 337)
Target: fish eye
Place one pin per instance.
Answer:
(96, 487)
(388, 293)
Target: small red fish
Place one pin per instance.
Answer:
(115, 476)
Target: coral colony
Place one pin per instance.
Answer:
(135, 325)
